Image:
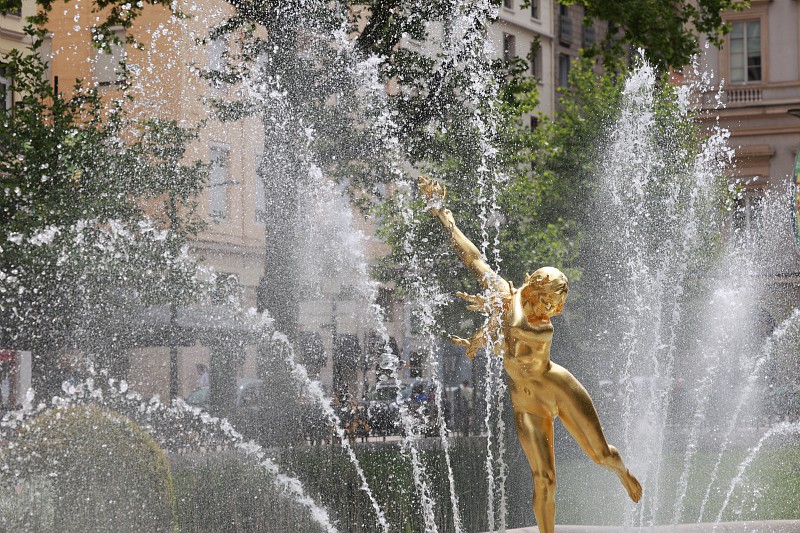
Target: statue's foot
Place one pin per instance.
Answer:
(631, 485)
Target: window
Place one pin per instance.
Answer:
(534, 122)
(746, 211)
(563, 69)
(589, 36)
(384, 300)
(216, 61)
(108, 63)
(227, 290)
(745, 51)
(509, 47)
(508, 4)
(535, 59)
(261, 199)
(252, 395)
(564, 24)
(535, 9)
(218, 185)
(6, 92)
(13, 8)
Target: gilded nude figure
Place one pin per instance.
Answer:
(520, 330)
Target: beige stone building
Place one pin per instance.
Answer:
(529, 32)
(13, 37)
(550, 35)
(15, 366)
(165, 82)
(758, 68)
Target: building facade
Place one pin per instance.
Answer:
(760, 60)
(12, 37)
(758, 70)
(550, 36)
(528, 32)
(15, 366)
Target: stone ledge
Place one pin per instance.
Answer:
(770, 526)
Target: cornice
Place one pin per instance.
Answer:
(14, 35)
(760, 132)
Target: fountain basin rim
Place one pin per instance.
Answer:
(757, 526)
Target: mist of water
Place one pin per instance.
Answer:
(680, 302)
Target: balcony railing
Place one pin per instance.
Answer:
(734, 96)
(743, 95)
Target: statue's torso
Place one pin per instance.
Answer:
(527, 361)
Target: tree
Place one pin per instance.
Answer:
(667, 30)
(318, 110)
(303, 68)
(454, 156)
(97, 214)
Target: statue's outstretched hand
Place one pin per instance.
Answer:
(477, 302)
(432, 191)
(458, 341)
(434, 194)
(473, 344)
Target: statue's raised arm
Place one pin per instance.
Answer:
(434, 195)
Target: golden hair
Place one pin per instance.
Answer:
(547, 279)
(550, 279)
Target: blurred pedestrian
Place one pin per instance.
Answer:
(466, 395)
(202, 376)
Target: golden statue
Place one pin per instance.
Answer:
(520, 330)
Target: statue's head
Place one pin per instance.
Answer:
(544, 292)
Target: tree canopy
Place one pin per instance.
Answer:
(667, 30)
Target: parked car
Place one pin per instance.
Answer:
(383, 411)
(248, 392)
(199, 397)
(421, 397)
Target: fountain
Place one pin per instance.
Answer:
(677, 315)
(673, 312)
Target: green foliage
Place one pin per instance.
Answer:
(10, 6)
(447, 144)
(51, 147)
(550, 207)
(100, 471)
(768, 489)
(229, 492)
(252, 502)
(667, 30)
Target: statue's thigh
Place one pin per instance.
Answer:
(535, 434)
(577, 413)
